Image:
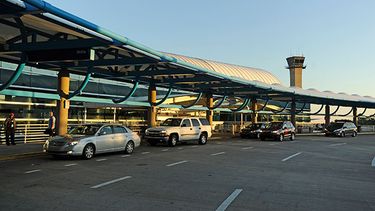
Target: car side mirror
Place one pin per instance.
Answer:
(102, 133)
(183, 125)
(344, 127)
(284, 128)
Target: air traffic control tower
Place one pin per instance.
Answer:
(295, 66)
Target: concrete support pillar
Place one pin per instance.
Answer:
(254, 114)
(63, 103)
(327, 117)
(293, 113)
(209, 105)
(355, 116)
(152, 110)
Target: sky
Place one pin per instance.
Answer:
(337, 37)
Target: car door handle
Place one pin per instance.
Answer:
(200, 128)
(191, 128)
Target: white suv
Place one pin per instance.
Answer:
(174, 130)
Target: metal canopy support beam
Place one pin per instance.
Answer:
(351, 110)
(245, 103)
(14, 77)
(63, 103)
(293, 113)
(317, 112)
(337, 109)
(254, 114)
(303, 108)
(164, 98)
(130, 94)
(195, 101)
(264, 105)
(219, 103)
(197, 79)
(283, 109)
(108, 62)
(327, 116)
(52, 45)
(363, 113)
(82, 86)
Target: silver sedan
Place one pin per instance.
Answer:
(90, 139)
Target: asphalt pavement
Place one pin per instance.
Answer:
(311, 173)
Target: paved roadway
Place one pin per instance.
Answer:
(311, 173)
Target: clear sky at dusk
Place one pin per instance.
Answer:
(336, 36)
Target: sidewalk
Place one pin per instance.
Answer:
(20, 150)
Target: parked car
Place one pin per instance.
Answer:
(174, 130)
(252, 130)
(90, 139)
(341, 129)
(279, 131)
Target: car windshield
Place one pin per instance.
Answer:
(171, 122)
(254, 126)
(275, 125)
(335, 126)
(84, 130)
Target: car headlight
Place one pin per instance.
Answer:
(276, 132)
(73, 143)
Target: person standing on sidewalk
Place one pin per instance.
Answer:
(51, 124)
(10, 126)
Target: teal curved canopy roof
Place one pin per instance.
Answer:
(30, 26)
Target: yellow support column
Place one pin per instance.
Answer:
(210, 112)
(293, 113)
(63, 103)
(355, 117)
(152, 110)
(327, 117)
(254, 114)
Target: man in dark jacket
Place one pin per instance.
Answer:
(10, 128)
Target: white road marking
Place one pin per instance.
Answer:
(100, 160)
(144, 153)
(219, 153)
(110, 182)
(339, 144)
(180, 148)
(195, 146)
(125, 156)
(164, 150)
(177, 163)
(32, 171)
(248, 148)
(71, 164)
(292, 156)
(229, 200)
(373, 162)
(272, 144)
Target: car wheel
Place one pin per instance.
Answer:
(88, 151)
(202, 139)
(129, 148)
(172, 140)
(343, 134)
(292, 137)
(354, 134)
(281, 138)
(258, 135)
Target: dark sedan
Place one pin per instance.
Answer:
(252, 130)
